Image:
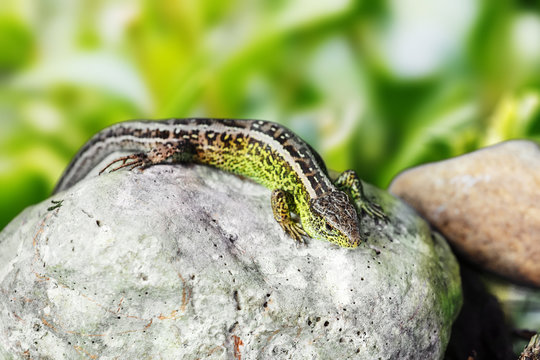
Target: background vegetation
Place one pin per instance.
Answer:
(377, 86)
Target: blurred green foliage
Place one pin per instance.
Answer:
(374, 86)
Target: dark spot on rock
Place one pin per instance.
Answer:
(235, 297)
(326, 323)
(98, 223)
(233, 326)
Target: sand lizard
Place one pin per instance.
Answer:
(266, 152)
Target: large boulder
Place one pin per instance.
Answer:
(486, 204)
(188, 262)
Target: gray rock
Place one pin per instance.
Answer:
(188, 262)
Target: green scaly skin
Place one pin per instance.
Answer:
(266, 152)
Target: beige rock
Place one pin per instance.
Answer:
(486, 203)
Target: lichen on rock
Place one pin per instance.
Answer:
(188, 262)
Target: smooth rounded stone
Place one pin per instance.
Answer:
(188, 262)
(486, 203)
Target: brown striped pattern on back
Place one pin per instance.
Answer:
(230, 144)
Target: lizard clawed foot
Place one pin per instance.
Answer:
(374, 210)
(130, 161)
(295, 231)
(282, 204)
(350, 182)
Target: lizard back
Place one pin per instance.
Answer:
(267, 152)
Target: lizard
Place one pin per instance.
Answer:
(264, 151)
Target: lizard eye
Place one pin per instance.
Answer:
(328, 227)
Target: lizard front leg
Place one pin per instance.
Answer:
(348, 181)
(282, 204)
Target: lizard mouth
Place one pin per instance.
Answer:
(354, 239)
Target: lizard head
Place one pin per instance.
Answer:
(336, 219)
